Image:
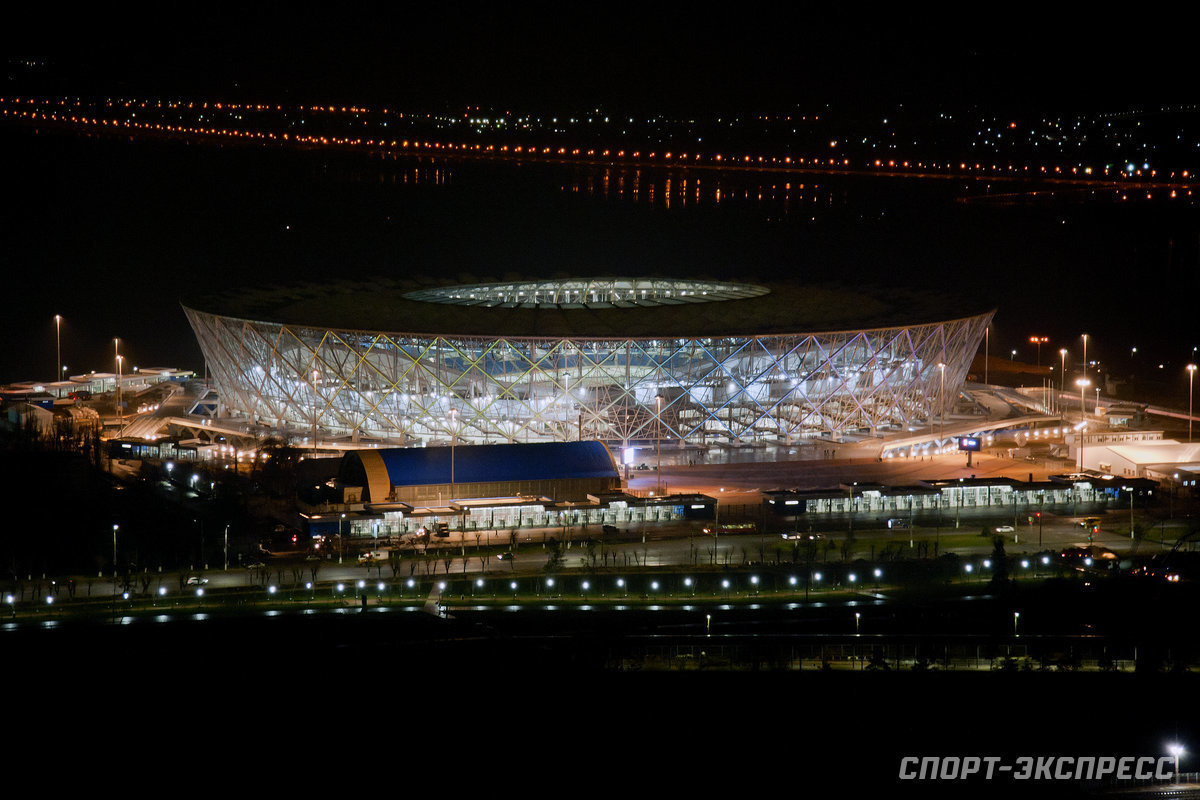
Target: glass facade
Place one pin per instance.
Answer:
(422, 389)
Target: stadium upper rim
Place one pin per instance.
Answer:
(591, 293)
(428, 309)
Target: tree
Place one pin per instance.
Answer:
(999, 563)
(847, 545)
(280, 460)
(556, 555)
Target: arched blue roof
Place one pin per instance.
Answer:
(485, 463)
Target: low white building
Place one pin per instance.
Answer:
(1152, 458)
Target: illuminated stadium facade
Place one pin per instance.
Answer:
(619, 360)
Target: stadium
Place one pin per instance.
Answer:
(619, 360)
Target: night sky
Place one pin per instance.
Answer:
(665, 57)
(113, 236)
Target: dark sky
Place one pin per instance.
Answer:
(97, 218)
(672, 57)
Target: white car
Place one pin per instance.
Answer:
(197, 580)
(1005, 529)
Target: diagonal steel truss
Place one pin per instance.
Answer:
(411, 389)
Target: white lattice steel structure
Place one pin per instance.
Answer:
(421, 388)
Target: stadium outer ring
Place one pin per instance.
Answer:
(569, 378)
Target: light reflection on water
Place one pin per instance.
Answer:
(668, 188)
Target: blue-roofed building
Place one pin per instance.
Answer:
(419, 475)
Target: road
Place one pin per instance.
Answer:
(666, 545)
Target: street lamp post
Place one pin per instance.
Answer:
(314, 393)
(658, 398)
(117, 360)
(1085, 355)
(1062, 380)
(1083, 383)
(1039, 341)
(341, 540)
(120, 407)
(453, 440)
(942, 414)
(1176, 751)
(1130, 490)
(1191, 368)
(58, 369)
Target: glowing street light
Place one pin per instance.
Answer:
(1176, 750)
(1039, 341)
(1082, 383)
(1062, 380)
(120, 412)
(1191, 368)
(58, 367)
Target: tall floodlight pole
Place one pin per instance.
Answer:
(1083, 383)
(1085, 355)
(1039, 341)
(1062, 378)
(1176, 751)
(117, 358)
(658, 398)
(58, 368)
(453, 440)
(120, 404)
(314, 392)
(1191, 368)
(942, 415)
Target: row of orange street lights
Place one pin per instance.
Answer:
(746, 160)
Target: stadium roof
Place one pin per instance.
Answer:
(485, 463)
(410, 307)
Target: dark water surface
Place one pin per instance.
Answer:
(112, 234)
